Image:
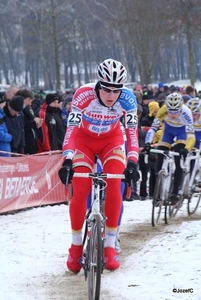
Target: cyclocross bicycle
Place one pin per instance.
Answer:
(163, 187)
(190, 189)
(94, 234)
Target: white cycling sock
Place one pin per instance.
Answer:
(110, 236)
(77, 238)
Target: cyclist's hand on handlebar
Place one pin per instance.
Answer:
(183, 153)
(147, 148)
(66, 170)
(131, 173)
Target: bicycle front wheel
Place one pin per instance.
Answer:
(194, 200)
(157, 198)
(95, 260)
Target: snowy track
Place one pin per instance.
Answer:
(154, 261)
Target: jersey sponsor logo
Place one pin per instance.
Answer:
(96, 129)
(68, 135)
(187, 117)
(134, 140)
(83, 97)
(128, 100)
(99, 119)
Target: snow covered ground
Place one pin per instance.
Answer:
(156, 263)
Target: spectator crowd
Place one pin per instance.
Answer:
(33, 122)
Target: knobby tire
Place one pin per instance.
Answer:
(192, 202)
(95, 260)
(156, 210)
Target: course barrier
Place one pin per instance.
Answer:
(30, 180)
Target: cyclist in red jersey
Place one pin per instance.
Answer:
(94, 128)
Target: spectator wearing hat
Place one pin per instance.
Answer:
(153, 108)
(52, 132)
(31, 123)
(160, 89)
(14, 119)
(5, 137)
(66, 108)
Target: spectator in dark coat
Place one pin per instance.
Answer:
(52, 132)
(160, 90)
(14, 119)
(31, 123)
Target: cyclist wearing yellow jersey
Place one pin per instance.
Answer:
(178, 128)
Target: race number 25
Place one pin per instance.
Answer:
(74, 119)
(131, 120)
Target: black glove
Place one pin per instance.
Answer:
(183, 153)
(131, 173)
(66, 170)
(147, 148)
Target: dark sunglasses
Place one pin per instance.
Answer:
(173, 112)
(108, 90)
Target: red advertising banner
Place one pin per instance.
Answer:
(29, 181)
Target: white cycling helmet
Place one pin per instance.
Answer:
(194, 104)
(112, 72)
(174, 101)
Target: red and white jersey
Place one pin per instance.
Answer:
(98, 121)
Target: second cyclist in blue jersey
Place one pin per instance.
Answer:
(178, 129)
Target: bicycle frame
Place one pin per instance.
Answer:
(93, 257)
(163, 186)
(168, 167)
